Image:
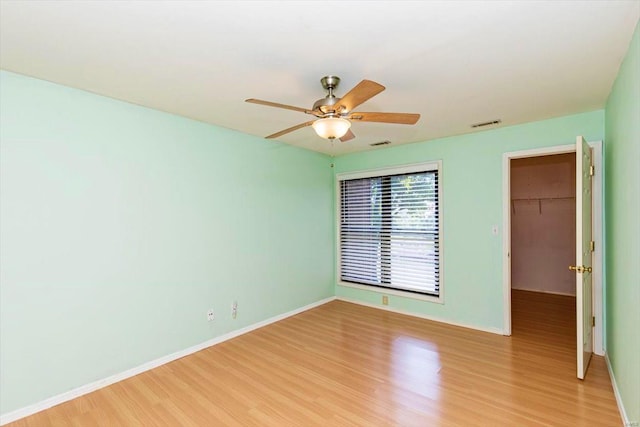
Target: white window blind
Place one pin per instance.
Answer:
(389, 232)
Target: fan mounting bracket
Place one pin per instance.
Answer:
(329, 83)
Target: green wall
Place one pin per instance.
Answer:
(471, 206)
(120, 226)
(622, 210)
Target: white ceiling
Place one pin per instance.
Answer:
(455, 63)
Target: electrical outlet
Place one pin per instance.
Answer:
(385, 300)
(210, 316)
(234, 309)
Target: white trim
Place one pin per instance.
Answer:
(545, 151)
(435, 165)
(391, 170)
(506, 244)
(497, 331)
(91, 387)
(598, 237)
(598, 347)
(616, 393)
(396, 292)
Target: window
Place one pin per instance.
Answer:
(389, 229)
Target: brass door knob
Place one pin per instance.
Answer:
(580, 269)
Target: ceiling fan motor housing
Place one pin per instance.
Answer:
(324, 105)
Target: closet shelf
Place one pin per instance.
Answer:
(538, 199)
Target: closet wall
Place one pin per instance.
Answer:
(543, 230)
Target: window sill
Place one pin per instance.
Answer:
(395, 292)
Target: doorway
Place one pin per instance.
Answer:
(552, 200)
(543, 244)
(543, 224)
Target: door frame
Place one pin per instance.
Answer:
(597, 191)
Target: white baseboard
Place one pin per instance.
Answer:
(88, 388)
(623, 413)
(422, 316)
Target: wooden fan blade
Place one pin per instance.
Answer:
(363, 91)
(291, 129)
(275, 104)
(398, 118)
(347, 136)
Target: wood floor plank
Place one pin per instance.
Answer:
(343, 364)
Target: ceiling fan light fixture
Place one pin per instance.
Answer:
(331, 127)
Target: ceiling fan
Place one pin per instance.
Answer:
(334, 115)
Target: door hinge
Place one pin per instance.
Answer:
(593, 321)
(592, 170)
(592, 246)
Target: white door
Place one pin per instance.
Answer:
(584, 255)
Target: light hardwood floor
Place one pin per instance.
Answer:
(346, 365)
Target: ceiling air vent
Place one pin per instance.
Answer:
(376, 144)
(483, 124)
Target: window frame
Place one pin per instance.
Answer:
(388, 171)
